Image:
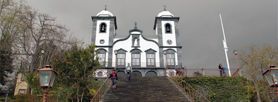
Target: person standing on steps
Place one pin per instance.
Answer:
(128, 71)
(177, 68)
(224, 70)
(220, 69)
(114, 78)
(181, 72)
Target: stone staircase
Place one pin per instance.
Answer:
(145, 89)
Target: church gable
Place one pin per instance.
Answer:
(136, 43)
(135, 39)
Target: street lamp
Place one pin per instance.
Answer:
(7, 94)
(116, 52)
(271, 76)
(235, 52)
(42, 52)
(46, 79)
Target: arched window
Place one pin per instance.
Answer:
(150, 57)
(136, 57)
(101, 56)
(121, 58)
(102, 28)
(170, 58)
(168, 28)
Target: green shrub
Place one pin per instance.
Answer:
(24, 98)
(34, 98)
(218, 89)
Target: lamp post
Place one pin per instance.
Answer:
(7, 94)
(41, 59)
(271, 76)
(46, 79)
(235, 52)
(116, 52)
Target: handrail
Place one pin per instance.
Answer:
(193, 94)
(189, 72)
(103, 88)
(235, 73)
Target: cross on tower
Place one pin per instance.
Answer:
(135, 23)
(164, 7)
(105, 7)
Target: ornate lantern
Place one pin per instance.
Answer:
(271, 76)
(47, 76)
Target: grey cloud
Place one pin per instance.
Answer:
(245, 22)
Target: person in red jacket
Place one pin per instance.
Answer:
(114, 78)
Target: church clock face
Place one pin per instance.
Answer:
(169, 42)
(101, 41)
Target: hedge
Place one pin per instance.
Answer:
(218, 89)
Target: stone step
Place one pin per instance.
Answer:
(144, 89)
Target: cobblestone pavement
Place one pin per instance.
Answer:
(144, 89)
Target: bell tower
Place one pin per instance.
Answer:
(104, 30)
(167, 30)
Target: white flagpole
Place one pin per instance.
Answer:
(225, 45)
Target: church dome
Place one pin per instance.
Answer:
(104, 13)
(165, 14)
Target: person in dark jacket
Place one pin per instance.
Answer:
(220, 69)
(177, 68)
(114, 78)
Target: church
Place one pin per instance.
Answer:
(148, 56)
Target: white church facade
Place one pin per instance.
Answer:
(147, 56)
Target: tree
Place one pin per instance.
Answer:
(76, 71)
(10, 26)
(41, 32)
(6, 66)
(254, 61)
(24, 32)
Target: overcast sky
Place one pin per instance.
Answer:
(245, 22)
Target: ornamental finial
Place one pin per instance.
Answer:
(135, 23)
